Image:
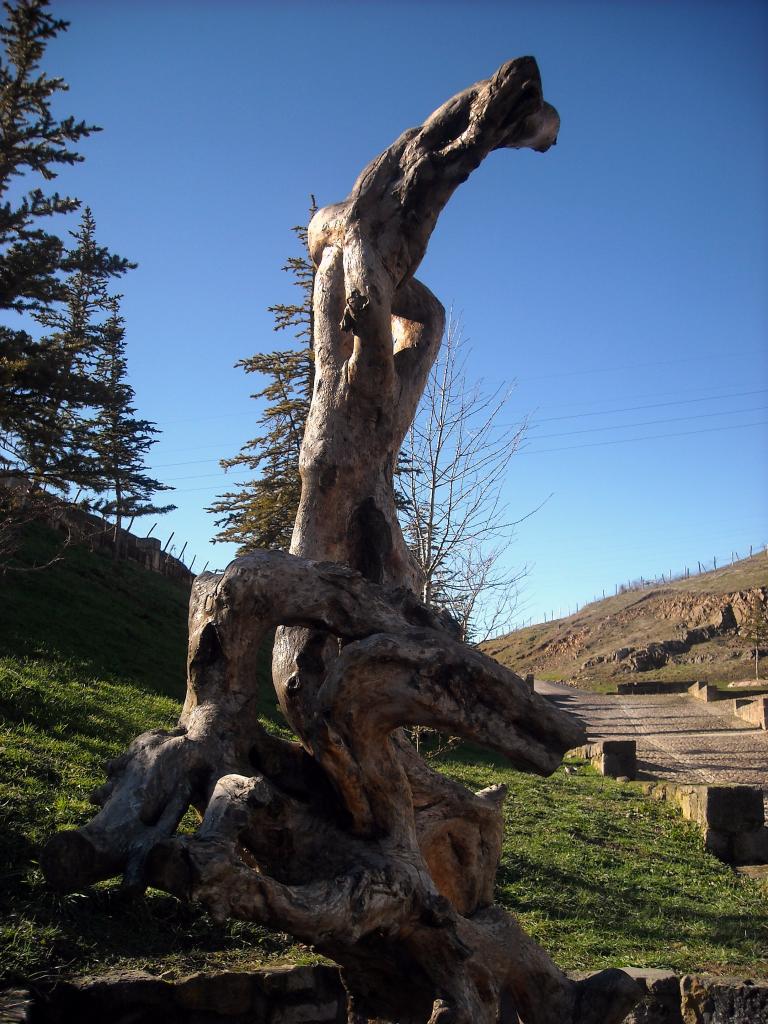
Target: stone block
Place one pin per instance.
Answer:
(730, 809)
(661, 1004)
(723, 1001)
(704, 691)
(619, 757)
(615, 758)
(651, 687)
(307, 1013)
(290, 980)
(753, 710)
(751, 847)
(225, 992)
(15, 1006)
(118, 998)
(734, 808)
(719, 844)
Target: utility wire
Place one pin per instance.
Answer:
(534, 426)
(534, 439)
(651, 423)
(648, 437)
(524, 451)
(654, 405)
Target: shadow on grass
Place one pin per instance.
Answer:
(114, 620)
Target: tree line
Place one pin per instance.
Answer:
(69, 432)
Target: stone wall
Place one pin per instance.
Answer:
(146, 551)
(753, 710)
(280, 995)
(704, 691)
(615, 758)
(315, 995)
(650, 687)
(699, 999)
(732, 818)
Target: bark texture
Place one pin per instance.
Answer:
(346, 838)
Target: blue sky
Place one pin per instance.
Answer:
(620, 278)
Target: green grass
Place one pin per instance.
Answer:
(601, 876)
(112, 621)
(92, 653)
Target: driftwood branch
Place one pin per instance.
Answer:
(347, 838)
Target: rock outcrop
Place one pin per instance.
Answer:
(646, 630)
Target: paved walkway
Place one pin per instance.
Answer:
(678, 738)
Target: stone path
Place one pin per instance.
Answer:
(677, 738)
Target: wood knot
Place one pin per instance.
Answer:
(355, 306)
(293, 685)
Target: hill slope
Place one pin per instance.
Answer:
(688, 629)
(91, 653)
(113, 620)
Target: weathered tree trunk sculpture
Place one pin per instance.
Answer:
(347, 839)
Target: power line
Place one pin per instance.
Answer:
(191, 462)
(622, 369)
(195, 476)
(648, 437)
(650, 423)
(654, 405)
(194, 490)
(228, 443)
(525, 450)
(538, 437)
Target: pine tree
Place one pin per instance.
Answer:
(52, 442)
(261, 513)
(33, 145)
(118, 440)
(33, 142)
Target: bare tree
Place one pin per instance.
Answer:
(347, 839)
(755, 627)
(453, 466)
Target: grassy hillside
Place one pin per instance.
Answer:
(701, 614)
(91, 653)
(110, 620)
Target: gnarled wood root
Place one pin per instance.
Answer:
(331, 841)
